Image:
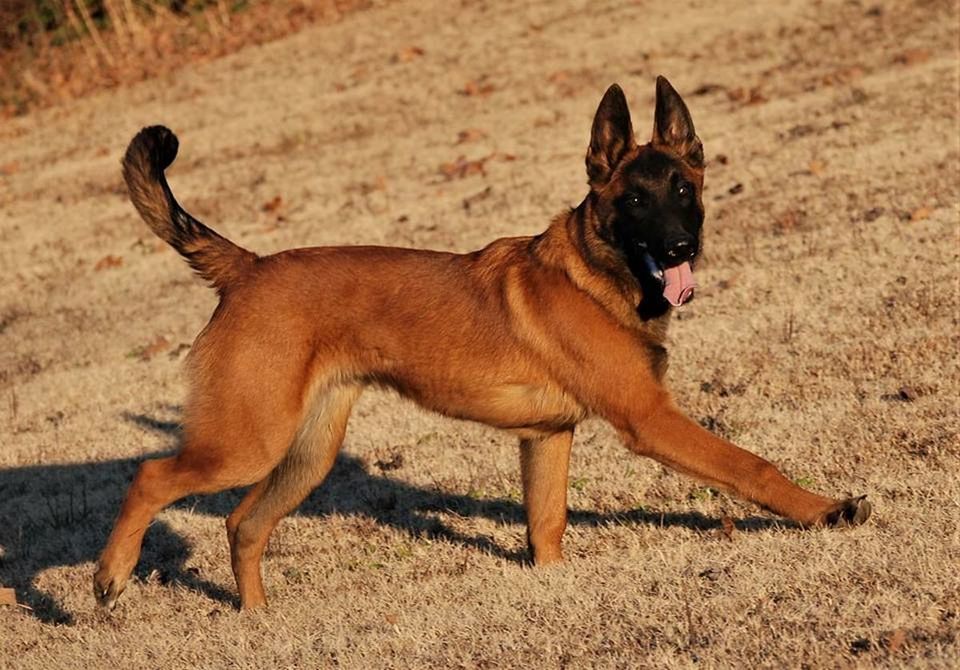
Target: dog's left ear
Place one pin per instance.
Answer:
(672, 125)
(611, 137)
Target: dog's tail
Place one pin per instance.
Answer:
(212, 256)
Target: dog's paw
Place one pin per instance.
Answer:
(106, 589)
(849, 512)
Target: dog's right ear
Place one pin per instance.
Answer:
(673, 126)
(611, 137)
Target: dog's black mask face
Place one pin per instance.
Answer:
(649, 197)
(657, 223)
(659, 212)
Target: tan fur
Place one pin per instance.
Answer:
(530, 334)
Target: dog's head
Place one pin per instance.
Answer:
(647, 199)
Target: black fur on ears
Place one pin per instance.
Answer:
(673, 126)
(611, 137)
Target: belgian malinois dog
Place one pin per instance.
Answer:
(530, 334)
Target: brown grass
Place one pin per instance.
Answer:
(53, 51)
(825, 337)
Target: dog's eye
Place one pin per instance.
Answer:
(684, 189)
(638, 201)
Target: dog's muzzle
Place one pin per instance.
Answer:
(676, 283)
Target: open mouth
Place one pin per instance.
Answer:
(677, 282)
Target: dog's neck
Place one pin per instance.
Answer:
(595, 267)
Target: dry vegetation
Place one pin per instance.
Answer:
(825, 337)
(52, 51)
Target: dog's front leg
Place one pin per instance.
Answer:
(607, 368)
(544, 464)
(668, 436)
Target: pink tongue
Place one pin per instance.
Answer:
(678, 284)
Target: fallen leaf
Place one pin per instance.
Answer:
(154, 348)
(107, 262)
(367, 187)
(912, 57)
(391, 619)
(568, 83)
(746, 96)
(706, 89)
(407, 54)
(472, 200)
(546, 121)
(462, 167)
(478, 87)
(394, 463)
(148, 246)
(894, 640)
(470, 135)
(183, 346)
(843, 75)
(786, 221)
(727, 527)
(273, 204)
(9, 168)
(920, 214)
(907, 394)
(710, 574)
(816, 168)
(724, 284)
(8, 597)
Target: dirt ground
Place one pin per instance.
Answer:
(824, 337)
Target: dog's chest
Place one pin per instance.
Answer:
(654, 336)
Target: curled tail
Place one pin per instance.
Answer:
(212, 256)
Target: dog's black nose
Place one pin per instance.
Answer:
(679, 249)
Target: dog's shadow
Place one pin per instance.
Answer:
(60, 515)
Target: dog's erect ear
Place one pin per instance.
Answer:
(672, 125)
(611, 137)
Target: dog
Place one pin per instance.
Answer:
(529, 334)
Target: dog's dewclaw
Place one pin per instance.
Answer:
(850, 512)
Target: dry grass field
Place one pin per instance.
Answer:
(824, 337)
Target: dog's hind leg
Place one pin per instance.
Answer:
(234, 435)
(305, 466)
(544, 464)
(158, 483)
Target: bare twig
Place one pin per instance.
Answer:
(117, 20)
(789, 328)
(213, 24)
(14, 407)
(94, 33)
(224, 13)
(75, 24)
(130, 16)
